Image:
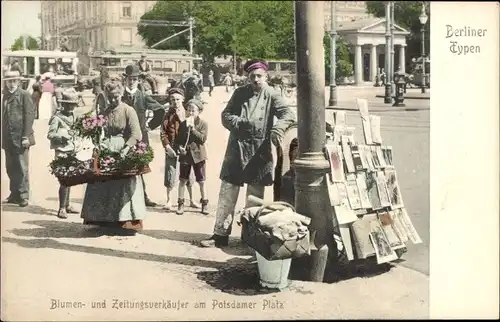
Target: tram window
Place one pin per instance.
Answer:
(157, 64)
(285, 66)
(183, 65)
(273, 66)
(170, 66)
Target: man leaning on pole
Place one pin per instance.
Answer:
(249, 116)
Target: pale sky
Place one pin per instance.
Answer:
(18, 18)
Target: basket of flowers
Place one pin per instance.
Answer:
(105, 164)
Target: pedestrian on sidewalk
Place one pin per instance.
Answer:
(141, 102)
(249, 116)
(190, 143)
(18, 115)
(117, 203)
(227, 81)
(64, 143)
(211, 82)
(169, 131)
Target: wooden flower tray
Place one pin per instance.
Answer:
(97, 176)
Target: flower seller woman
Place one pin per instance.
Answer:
(117, 203)
(64, 143)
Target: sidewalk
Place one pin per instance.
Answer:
(165, 264)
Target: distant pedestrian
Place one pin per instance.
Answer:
(227, 81)
(18, 115)
(211, 82)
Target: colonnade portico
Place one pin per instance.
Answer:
(367, 41)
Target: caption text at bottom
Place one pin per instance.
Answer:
(118, 304)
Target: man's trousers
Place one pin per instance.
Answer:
(17, 166)
(228, 197)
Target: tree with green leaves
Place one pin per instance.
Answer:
(343, 66)
(31, 44)
(406, 15)
(262, 29)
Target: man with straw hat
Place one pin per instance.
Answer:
(18, 115)
(64, 142)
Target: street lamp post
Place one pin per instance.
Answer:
(391, 75)
(311, 164)
(333, 61)
(423, 20)
(387, 96)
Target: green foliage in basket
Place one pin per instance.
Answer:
(138, 157)
(69, 166)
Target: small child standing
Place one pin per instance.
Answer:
(192, 152)
(64, 143)
(169, 131)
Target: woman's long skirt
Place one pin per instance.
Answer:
(115, 203)
(46, 107)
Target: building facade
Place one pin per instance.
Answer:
(98, 24)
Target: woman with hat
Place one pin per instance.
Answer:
(249, 116)
(64, 142)
(190, 143)
(117, 203)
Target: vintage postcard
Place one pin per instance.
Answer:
(339, 118)
(417, 80)
(380, 156)
(346, 149)
(336, 162)
(375, 129)
(374, 155)
(382, 189)
(407, 224)
(360, 231)
(395, 196)
(387, 225)
(353, 194)
(397, 225)
(387, 153)
(363, 190)
(356, 158)
(365, 120)
(373, 190)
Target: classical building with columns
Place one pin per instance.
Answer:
(365, 35)
(367, 39)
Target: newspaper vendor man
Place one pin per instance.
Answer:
(249, 116)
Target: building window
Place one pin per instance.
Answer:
(127, 10)
(127, 36)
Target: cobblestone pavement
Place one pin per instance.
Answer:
(47, 262)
